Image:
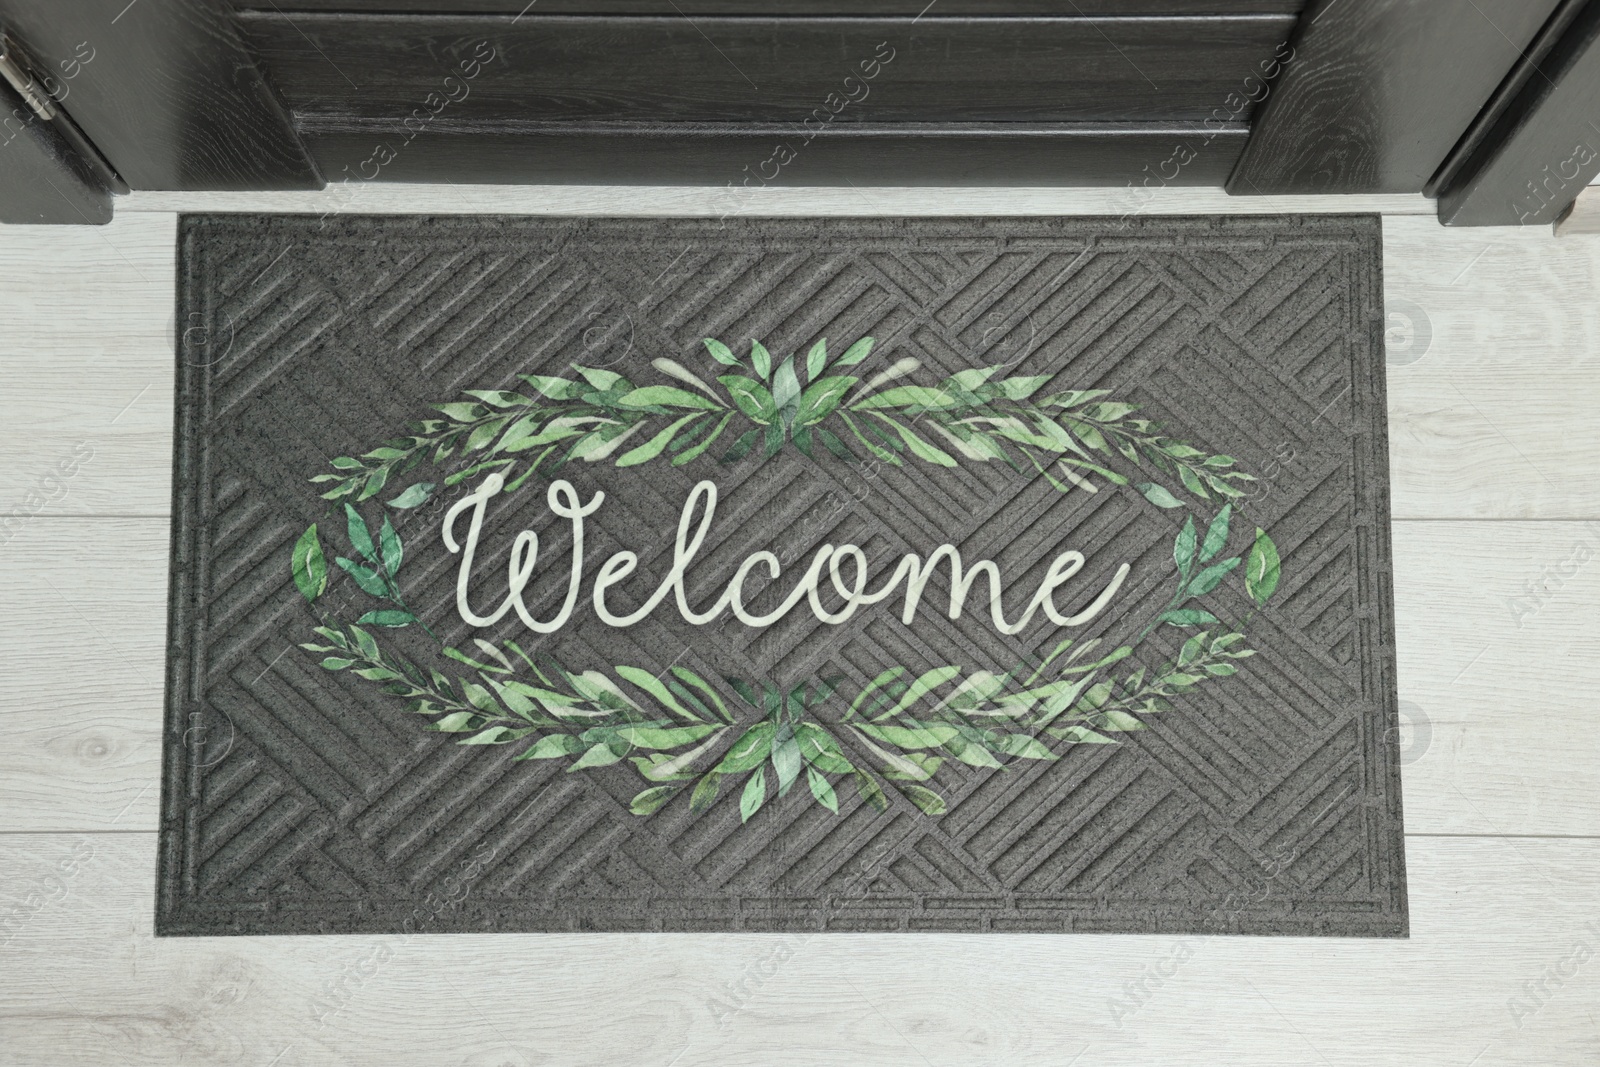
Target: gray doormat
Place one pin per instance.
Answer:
(475, 626)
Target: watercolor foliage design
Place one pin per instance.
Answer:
(751, 739)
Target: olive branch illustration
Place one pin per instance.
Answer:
(674, 727)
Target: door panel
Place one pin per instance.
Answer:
(719, 69)
(42, 178)
(1379, 92)
(745, 156)
(165, 90)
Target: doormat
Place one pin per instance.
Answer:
(850, 574)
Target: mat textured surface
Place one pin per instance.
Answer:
(425, 676)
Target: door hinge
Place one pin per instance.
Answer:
(18, 71)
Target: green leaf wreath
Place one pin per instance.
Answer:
(972, 413)
(675, 728)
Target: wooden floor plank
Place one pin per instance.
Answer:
(1494, 343)
(1499, 970)
(86, 402)
(1499, 739)
(1496, 632)
(82, 650)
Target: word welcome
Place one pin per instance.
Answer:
(564, 501)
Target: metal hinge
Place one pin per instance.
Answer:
(18, 71)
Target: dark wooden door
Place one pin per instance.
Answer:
(1260, 95)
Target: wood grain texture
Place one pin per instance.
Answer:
(1379, 91)
(766, 69)
(168, 93)
(1527, 67)
(87, 370)
(741, 157)
(1544, 149)
(1495, 628)
(86, 984)
(98, 588)
(1502, 331)
(42, 180)
(1494, 620)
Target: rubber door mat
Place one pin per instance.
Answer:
(851, 574)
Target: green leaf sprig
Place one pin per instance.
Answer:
(671, 726)
(1199, 575)
(375, 572)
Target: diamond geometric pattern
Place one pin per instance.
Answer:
(298, 800)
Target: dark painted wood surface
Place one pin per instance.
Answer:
(1379, 91)
(1544, 147)
(41, 178)
(740, 156)
(768, 69)
(166, 90)
(1489, 121)
(683, 8)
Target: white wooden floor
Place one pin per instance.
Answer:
(1494, 387)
